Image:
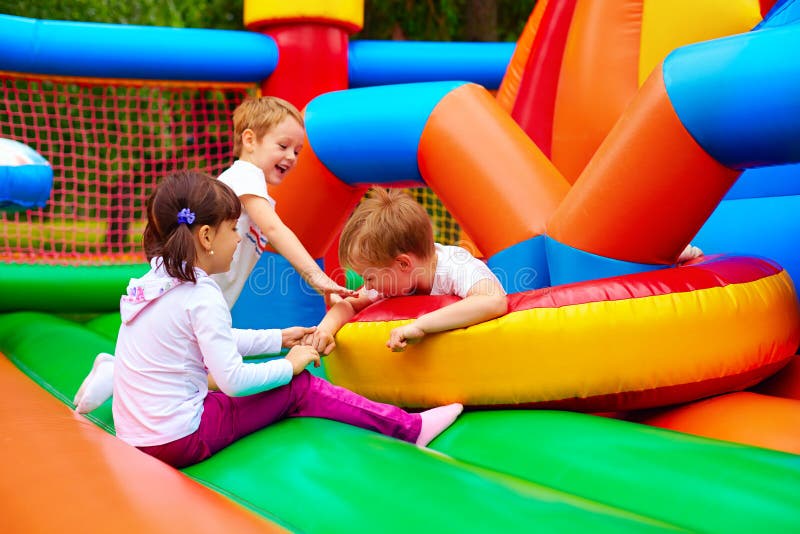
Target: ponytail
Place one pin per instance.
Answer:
(182, 202)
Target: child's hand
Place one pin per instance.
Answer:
(401, 336)
(689, 253)
(295, 335)
(212, 384)
(325, 286)
(300, 356)
(322, 341)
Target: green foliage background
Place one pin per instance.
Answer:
(428, 20)
(219, 14)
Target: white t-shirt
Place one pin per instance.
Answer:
(245, 179)
(171, 332)
(456, 272)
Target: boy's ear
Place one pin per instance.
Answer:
(404, 261)
(248, 138)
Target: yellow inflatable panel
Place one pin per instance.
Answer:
(668, 24)
(348, 13)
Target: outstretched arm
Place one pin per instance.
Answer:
(485, 300)
(289, 246)
(339, 314)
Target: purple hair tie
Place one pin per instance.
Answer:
(185, 216)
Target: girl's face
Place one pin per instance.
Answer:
(276, 152)
(224, 242)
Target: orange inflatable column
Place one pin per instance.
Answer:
(599, 76)
(494, 180)
(643, 196)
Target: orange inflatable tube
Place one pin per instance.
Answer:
(599, 76)
(624, 207)
(743, 417)
(471, 151)
(95, 480)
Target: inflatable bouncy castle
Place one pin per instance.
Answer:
(620, 131)
(624, 221)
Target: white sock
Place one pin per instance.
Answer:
(98, 386)
(436, 420)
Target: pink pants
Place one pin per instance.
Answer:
(226, 419)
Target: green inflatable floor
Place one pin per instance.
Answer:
(493, 471)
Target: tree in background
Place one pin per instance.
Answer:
(419, 20)
(445, 20)
(480, 20)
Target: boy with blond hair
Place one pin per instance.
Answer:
(389, 242)
(268, 135)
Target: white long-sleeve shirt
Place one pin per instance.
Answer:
(171, 332)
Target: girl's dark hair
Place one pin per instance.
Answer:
(211, 202)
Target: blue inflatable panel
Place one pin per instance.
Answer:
(392, 62)
(568, 265)
(275, 296)
(776, 181)
(371, 135)
(26, 178)
(522, 267)
(767, 227)
(138, 52)
(738, 96)
(782, 13)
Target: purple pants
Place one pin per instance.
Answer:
(226, 419)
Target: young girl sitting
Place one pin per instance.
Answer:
(176, 328)
(268, 135)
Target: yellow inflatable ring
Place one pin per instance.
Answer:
(629, 342)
